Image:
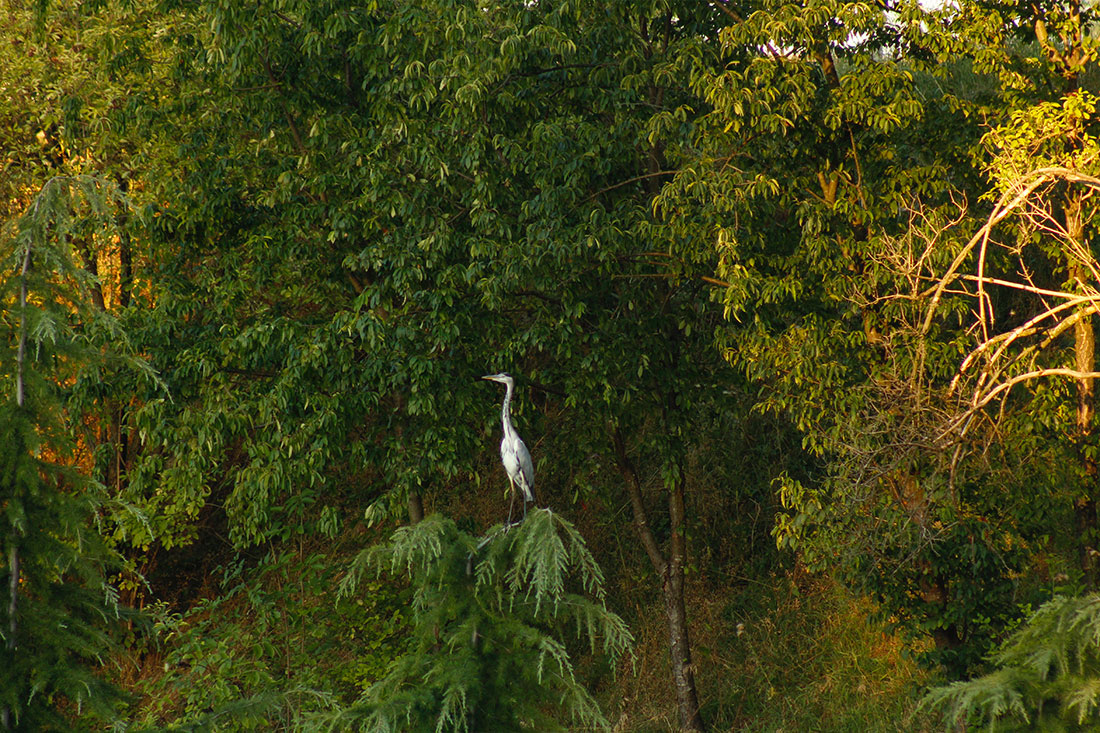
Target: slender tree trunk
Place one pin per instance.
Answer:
(416, 507)
(634, 490)
(683, 671)
(670, 569)
(91, 264)
(671, 572)
(13, 595)
(1069, 53)
(13, 547)
(415, 501)
(125, 251)
(1085, 507)
(1084, 346)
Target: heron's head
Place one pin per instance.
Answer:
(502, 378)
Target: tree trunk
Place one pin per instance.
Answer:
(13, 547)
(91, 263)
(416, 507)
(671, 572)
(1085, 507)
(683, 672)
(125, 248)
(1084, 347)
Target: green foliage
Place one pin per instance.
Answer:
(273, 649)
(55, 559)
(654, 212)
(490, 625)
(833, 217)
(1062, 134)
(1047, 675)
(348, 266)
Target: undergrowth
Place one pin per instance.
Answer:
(785, 654)
(273, 649)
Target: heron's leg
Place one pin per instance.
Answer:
(512, 501)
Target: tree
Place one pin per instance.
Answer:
(1044, 167)
(938, 527)
(414, 203)
(57, 606)
(1045, 677)
(490, 619)
(813, 175)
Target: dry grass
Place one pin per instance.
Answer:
(793, 654)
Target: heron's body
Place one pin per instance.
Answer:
(517, 463)
(513, 453)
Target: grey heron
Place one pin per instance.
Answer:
(513, 453)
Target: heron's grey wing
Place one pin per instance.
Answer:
(527, 470)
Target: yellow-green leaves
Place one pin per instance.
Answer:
(1061, 134)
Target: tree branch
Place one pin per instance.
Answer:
(634, 490)
(1009, 384)
(628, 181)
(1010, 200)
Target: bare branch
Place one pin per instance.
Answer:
(1009, 201)
(1010, 383)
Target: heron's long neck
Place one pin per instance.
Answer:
(505, 415)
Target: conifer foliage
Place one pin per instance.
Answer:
(492, 617)
(55, 603)
(1048, 675)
